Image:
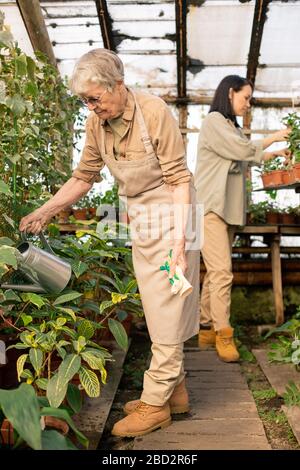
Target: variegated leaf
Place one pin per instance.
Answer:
(36, 359)
(90, 382)
(20, 365)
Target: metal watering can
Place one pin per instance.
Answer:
(46, 271)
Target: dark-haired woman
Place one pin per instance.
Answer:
(224, 154)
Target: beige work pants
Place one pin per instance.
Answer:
(216, 288)
(165, 372)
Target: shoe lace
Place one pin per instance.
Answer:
(142, 408)
(227, 341)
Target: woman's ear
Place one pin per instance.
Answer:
(230, 94)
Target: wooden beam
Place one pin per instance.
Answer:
(180, 9)
(105, 24)
(37, 31)
(259, 18)
(259, 102)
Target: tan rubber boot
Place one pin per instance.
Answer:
(225, 346)
(143, 420)
(179, 401)
(206, 338)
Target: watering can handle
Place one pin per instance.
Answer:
(43, 240)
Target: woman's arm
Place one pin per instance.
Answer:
(221, 137)
(68, 194)
(181, 201)
(278, 136)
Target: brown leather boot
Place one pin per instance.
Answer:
(179, 401)
(206, 338)
(225, 346)
(144, 419)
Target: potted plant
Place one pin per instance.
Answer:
(256, 213)
(288, 216)
(80, 211)
(271, 172)
(292, 120)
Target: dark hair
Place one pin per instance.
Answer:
(221, 102)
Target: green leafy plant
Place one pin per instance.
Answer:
(292, 394)
(292, 120)
(65, 338)
(25, 412)
(36, 130)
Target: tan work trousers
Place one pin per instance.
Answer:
(165, 372)
(216, 288)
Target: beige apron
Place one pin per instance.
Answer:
(170, 319)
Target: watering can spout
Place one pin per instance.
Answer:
(46, 271)
(25, 288)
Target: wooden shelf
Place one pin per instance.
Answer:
(295, 186)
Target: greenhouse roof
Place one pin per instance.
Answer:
(179, 50)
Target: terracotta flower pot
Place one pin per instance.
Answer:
(296, 171)
(92, 212)
(63, 216)
(288, 177)
(288, 219)
(56, 423)
(80, 214)
(272, 218)
(274, 178)
(6, 433)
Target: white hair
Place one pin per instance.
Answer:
(98, 67)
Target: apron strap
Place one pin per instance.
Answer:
(143, 128)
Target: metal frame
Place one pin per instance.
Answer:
(105, 25)
(259, 18)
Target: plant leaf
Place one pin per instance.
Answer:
(20, 365)
(86, 329)
(56, 391)
(74, 397)
(67, 298)
(34, 299)
(4, 188)
(117, 298)
(7, 256)
(94, 362)
(119, 333)
(104, 305)
(68, 311)
(53, 440)
(21, 408)
(36, 359)
(90, 382)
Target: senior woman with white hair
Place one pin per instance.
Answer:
(136, 136)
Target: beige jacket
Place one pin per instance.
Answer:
(223, 156)
(163, 131)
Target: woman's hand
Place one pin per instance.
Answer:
(178, 257)
(278, 153)
(281, 135)
(36, 221)
(286, 153)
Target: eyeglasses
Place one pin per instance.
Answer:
(93, 101)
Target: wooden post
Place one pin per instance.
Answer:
(277, 279)
(34, 22)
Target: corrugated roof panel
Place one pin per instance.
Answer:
(278, 80)
(281, 37)
(218, 33)
(209, 77)
(150, 71)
